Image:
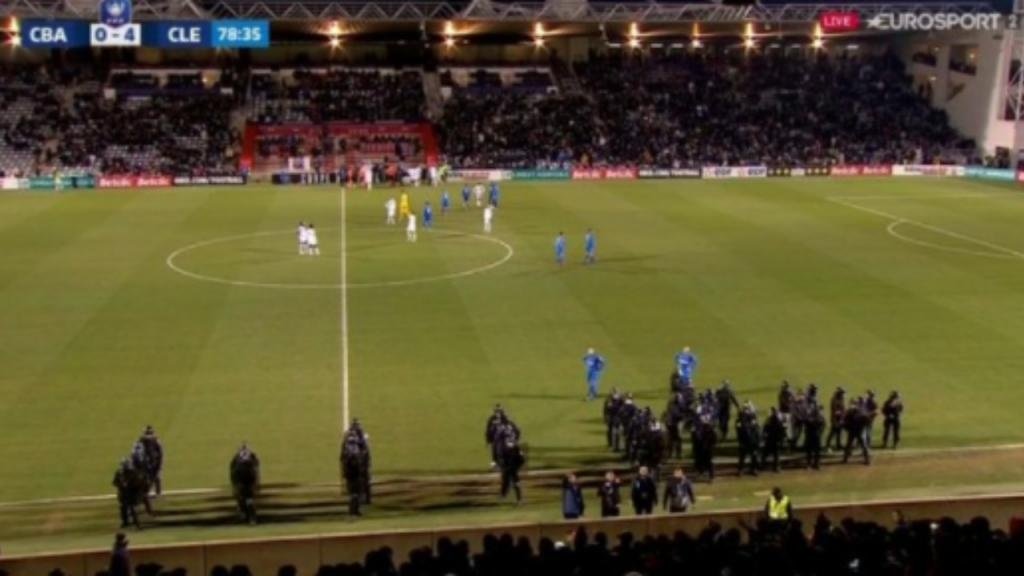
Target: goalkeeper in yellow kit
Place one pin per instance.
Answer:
(403, 206)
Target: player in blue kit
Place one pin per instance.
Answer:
(446, 202)
(686, 365)
(560, 249)
(594, 364)
(465, 195)
(428, 216)
(493, 195)
(589, 247)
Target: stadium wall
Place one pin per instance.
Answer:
(975, 102)
(308, 553)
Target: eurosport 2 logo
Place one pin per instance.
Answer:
(849, 21)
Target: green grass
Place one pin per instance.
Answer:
(765, 280)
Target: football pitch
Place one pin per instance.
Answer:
(189, 309)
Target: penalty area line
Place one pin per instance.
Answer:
(898, 220)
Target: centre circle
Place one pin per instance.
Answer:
(375, 258)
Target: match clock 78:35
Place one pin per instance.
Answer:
(241, 34)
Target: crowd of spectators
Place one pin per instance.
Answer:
(74, 118)
(683, 110)
(711, 108)
(330, 151)
(943, 548)
(338, 94)
(517, 130)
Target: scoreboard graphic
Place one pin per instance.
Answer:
(115, 29)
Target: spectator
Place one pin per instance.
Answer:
(120, 561)
(572, 498)
(645, 493)
(679, 496)
(608, 492)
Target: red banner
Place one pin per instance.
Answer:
(861, 170)
(611, 173)
(133, 181)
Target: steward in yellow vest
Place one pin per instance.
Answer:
(778, 507)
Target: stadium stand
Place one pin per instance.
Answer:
(320, 95)
(937, 548)
(131, 122)
(714, 107)
(721, 108)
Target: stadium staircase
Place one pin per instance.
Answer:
(432, 94)
(565, 78)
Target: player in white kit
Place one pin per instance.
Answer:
(410, 228)
(391, 207)
(488, 218)
(311, 240)
(478, 191)
(301, 237)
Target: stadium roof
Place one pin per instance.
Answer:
(790, 11)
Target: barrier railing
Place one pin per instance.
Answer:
(307, 553)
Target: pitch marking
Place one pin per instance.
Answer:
(1002, 251)
(170, 261)
(343, 282)
(891, 229)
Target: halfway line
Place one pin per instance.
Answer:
(344, 318)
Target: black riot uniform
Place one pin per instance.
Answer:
(623, 420)
(127, 493)
(748, 435)
(855, 421)
(774, 434)
(871, 410)
(813, 432)
(154, 451)
(892, 412)
(612, 405)
(511, 461)
(675, 416)
(704, 438)
(836, 413)
(244, 472)
(355, 468)
(496, 420)
(725, 400)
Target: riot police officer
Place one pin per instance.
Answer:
(623, 420)
(127, 493)
(154, 452)
(244, 472)
(355, 469)
(836, 413)
(748, 435)
(892, 412)
(724, 400)
(855, 421)
(511, 461)
(812, 437)
(612, 405)
(704, 438)
(774, 436)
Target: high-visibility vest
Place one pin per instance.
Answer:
(778, 509)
